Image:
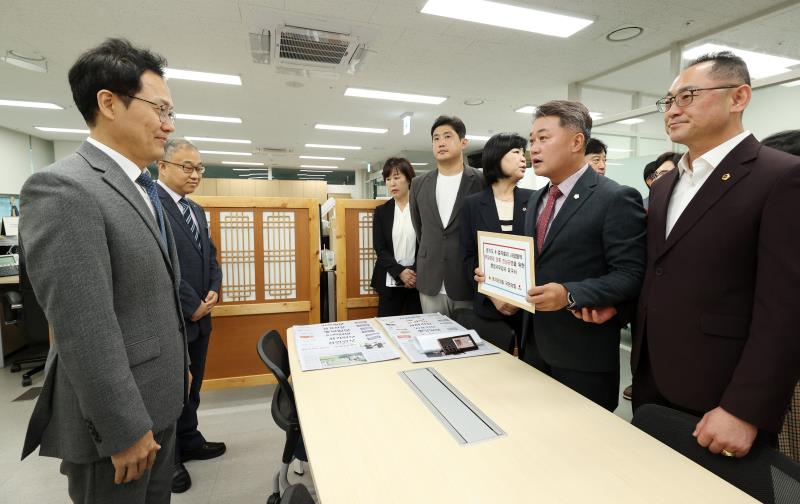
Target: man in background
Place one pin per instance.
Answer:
(595, 154)
(179, 174)
(436, 201)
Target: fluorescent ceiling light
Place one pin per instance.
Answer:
(30, 104)
(244, 163)
(759, 65)
(63, 130)
(477, 138)
(354, 129)
(317, 166)
(324, 146)
(793, 83)
(419, 164)
(527, 109)
(195, 117)
(225, 153)
(258, 170)
(309, 172)
(219, 140)
(32, 63)
(388, 95)
(595, 115)
(216, 78)
(632, 120)
(613, 164)
(507, 16)
(326, 158)
(611, 149)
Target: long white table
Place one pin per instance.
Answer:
(371, 440)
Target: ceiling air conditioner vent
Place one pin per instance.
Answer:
(313, 51)
(273, 150)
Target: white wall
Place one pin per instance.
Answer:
(63, 148)
(20, 156)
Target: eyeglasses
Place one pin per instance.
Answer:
(685, 98)
(188, 168)
(165, 114)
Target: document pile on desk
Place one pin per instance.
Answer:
(338, 344)
(418, 336)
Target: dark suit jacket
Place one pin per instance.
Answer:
(200, 271)
(596, 249)
(109, 287)
(721, 295)
(480, 214)
(382, 224)
(439, 256)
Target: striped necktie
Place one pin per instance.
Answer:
(149, 186)
(187, 216)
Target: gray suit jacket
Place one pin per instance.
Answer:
(439, 256)
(596, 249)
(109, 287)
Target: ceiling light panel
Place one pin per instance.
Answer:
(214, 78)
(63, 130)
(479, 138)
(527, 109)
(29, 104)
(317, 166)
(326, 146)
(353, 129)
(392, 96)
(631, 121)
(219, 140)
(760, 65)
(244, 163)
(507, 16)
(196, 117)
(323, 158)
(225, 153)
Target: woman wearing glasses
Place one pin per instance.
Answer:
(500, 208)
(395, 242)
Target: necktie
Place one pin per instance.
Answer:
(547, 215)
(149, 186)
(187, 216)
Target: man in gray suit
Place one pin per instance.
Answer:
(589, 235)
(436, 201)
(101, 259)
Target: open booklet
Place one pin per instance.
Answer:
(421, 337)
(337, 344)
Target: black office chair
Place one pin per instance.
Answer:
(273, 353)
(297, 494)
(495, 332)
(764, 473)
(23, 310)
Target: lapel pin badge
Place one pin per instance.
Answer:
(524, 209)
(726, 177)
(577, 196)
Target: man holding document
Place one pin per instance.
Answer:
(589, 236)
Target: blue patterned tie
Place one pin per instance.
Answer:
(149, 186)
(187, 216)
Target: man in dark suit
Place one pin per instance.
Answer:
(717, 331)
(101, 258)
(179, 174)
(590, 252)
(436, 201)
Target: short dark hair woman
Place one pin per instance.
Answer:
(395, 242)
(499, 208)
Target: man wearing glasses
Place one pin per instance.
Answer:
(101, 258)
(717, 331)
(179, 173)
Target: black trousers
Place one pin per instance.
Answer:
(599, 387)
(188, 436)
(398, 301)
(94, 483)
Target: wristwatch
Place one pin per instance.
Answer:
(571, 304)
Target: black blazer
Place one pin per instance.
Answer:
(596, 249)
(721, 294)
(200, 272)
(382, 223)
(480, 214)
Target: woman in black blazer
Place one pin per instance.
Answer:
(395, 242)
(500, 208)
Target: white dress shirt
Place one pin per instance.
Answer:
(446, 195)
(690, 180)
(566, 187)
(404, 239)
(176, 197)
(128, 166)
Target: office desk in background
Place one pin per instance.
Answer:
(371, 440)
(11, 338)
